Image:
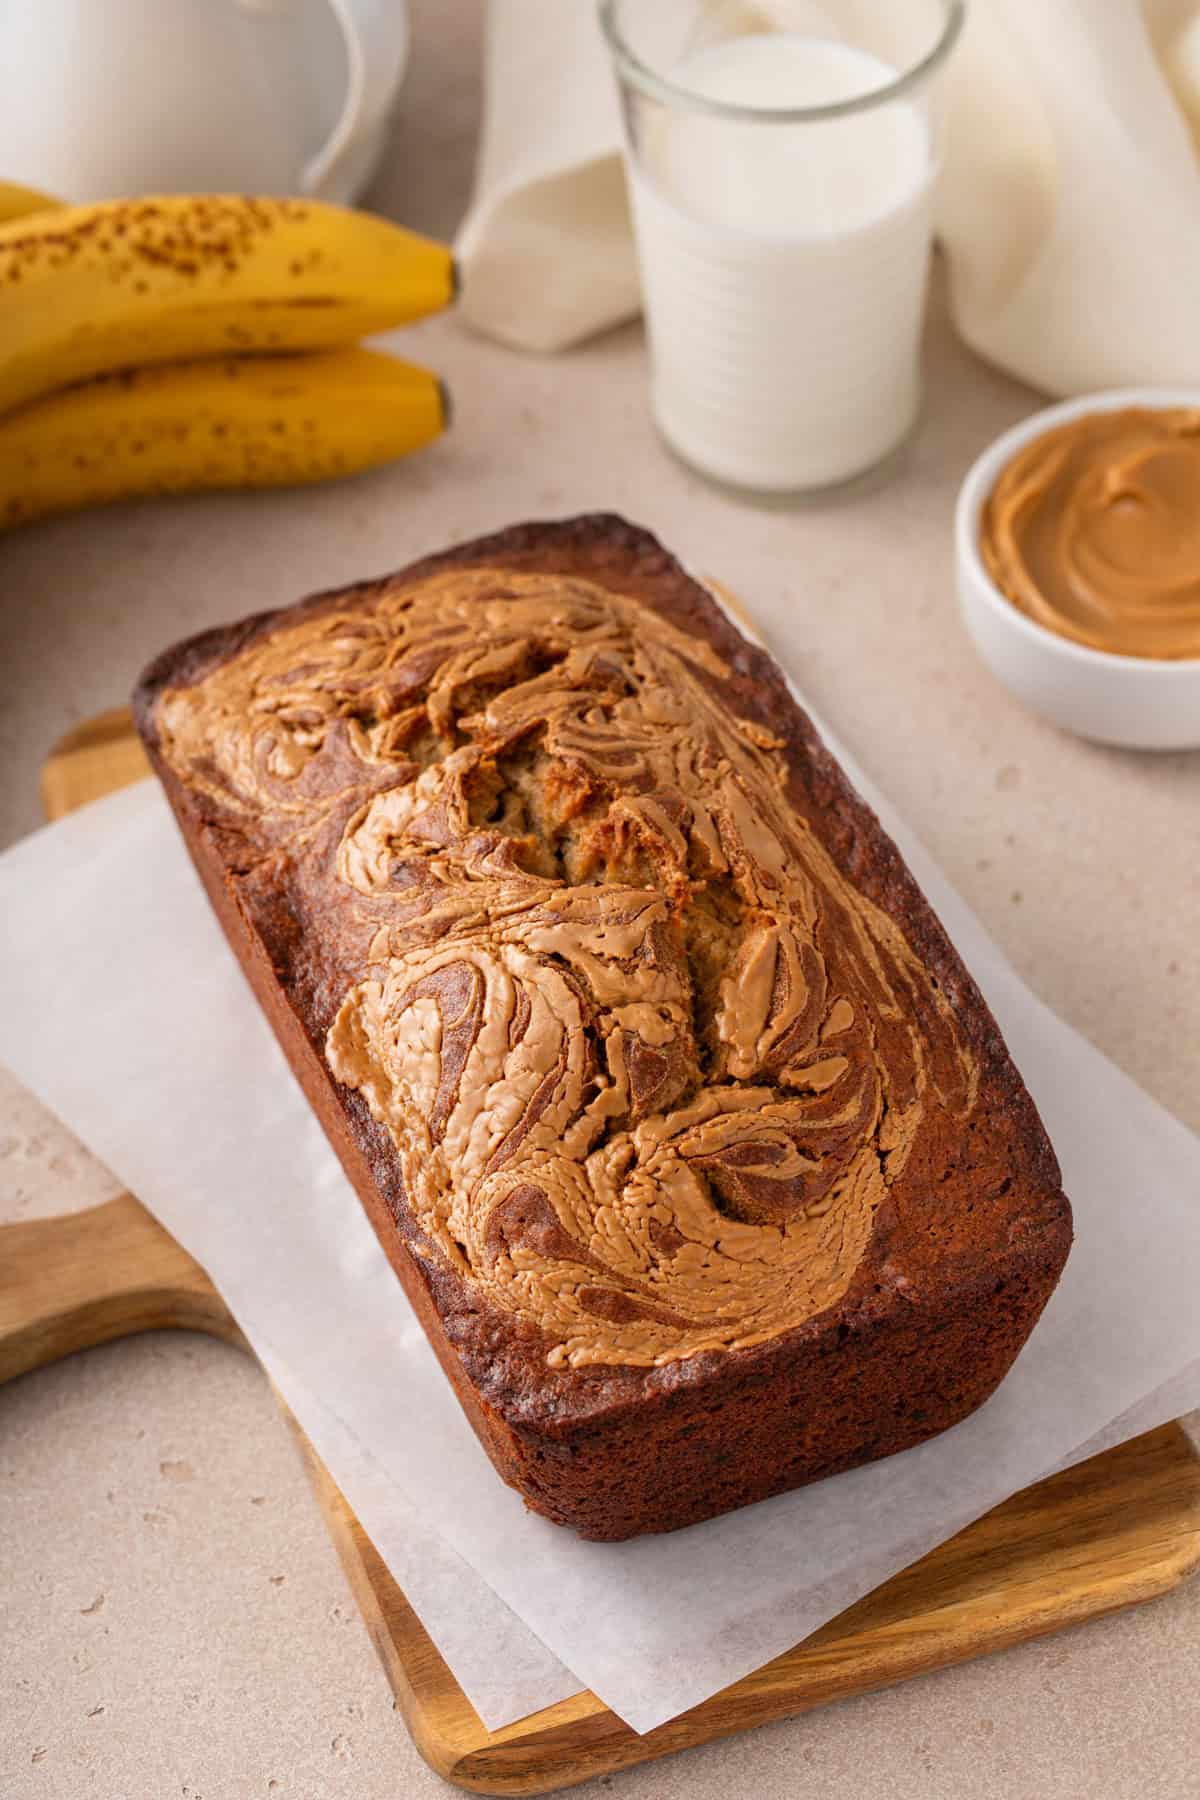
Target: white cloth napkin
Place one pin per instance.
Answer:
(1069, 204)
(123, 1009)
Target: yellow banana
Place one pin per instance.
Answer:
(228, 422)
(128, 282)
(18, 202)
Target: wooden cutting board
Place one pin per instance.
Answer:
(1117, 1530)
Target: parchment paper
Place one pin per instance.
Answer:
(123, 1009)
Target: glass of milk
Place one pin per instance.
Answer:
(781, 158)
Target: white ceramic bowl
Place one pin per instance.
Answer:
(1135, 701)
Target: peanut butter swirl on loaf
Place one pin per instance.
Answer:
(692, 1143)
(649, 1060)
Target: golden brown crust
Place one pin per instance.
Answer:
(652, 1428)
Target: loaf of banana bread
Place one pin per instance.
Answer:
(692, 1142)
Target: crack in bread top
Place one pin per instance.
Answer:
(649, 1060)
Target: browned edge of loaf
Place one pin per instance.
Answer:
(619, 1451)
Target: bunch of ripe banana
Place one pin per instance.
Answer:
(203, 341)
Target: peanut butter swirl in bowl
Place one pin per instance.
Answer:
(1077, 552)
(649, 1060)
(1093, 530)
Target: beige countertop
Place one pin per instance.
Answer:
(173, 1621)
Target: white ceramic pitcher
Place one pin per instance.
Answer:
(101, 98)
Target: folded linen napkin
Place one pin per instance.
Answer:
(1069, 203)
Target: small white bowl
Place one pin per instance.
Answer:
(1139, 702)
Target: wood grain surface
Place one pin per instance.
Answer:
(1119, 1529)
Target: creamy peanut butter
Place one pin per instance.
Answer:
(1094, 530)
(650, 1062)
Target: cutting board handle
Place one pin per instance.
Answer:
(85, 1278)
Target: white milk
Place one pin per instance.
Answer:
(784, 266)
